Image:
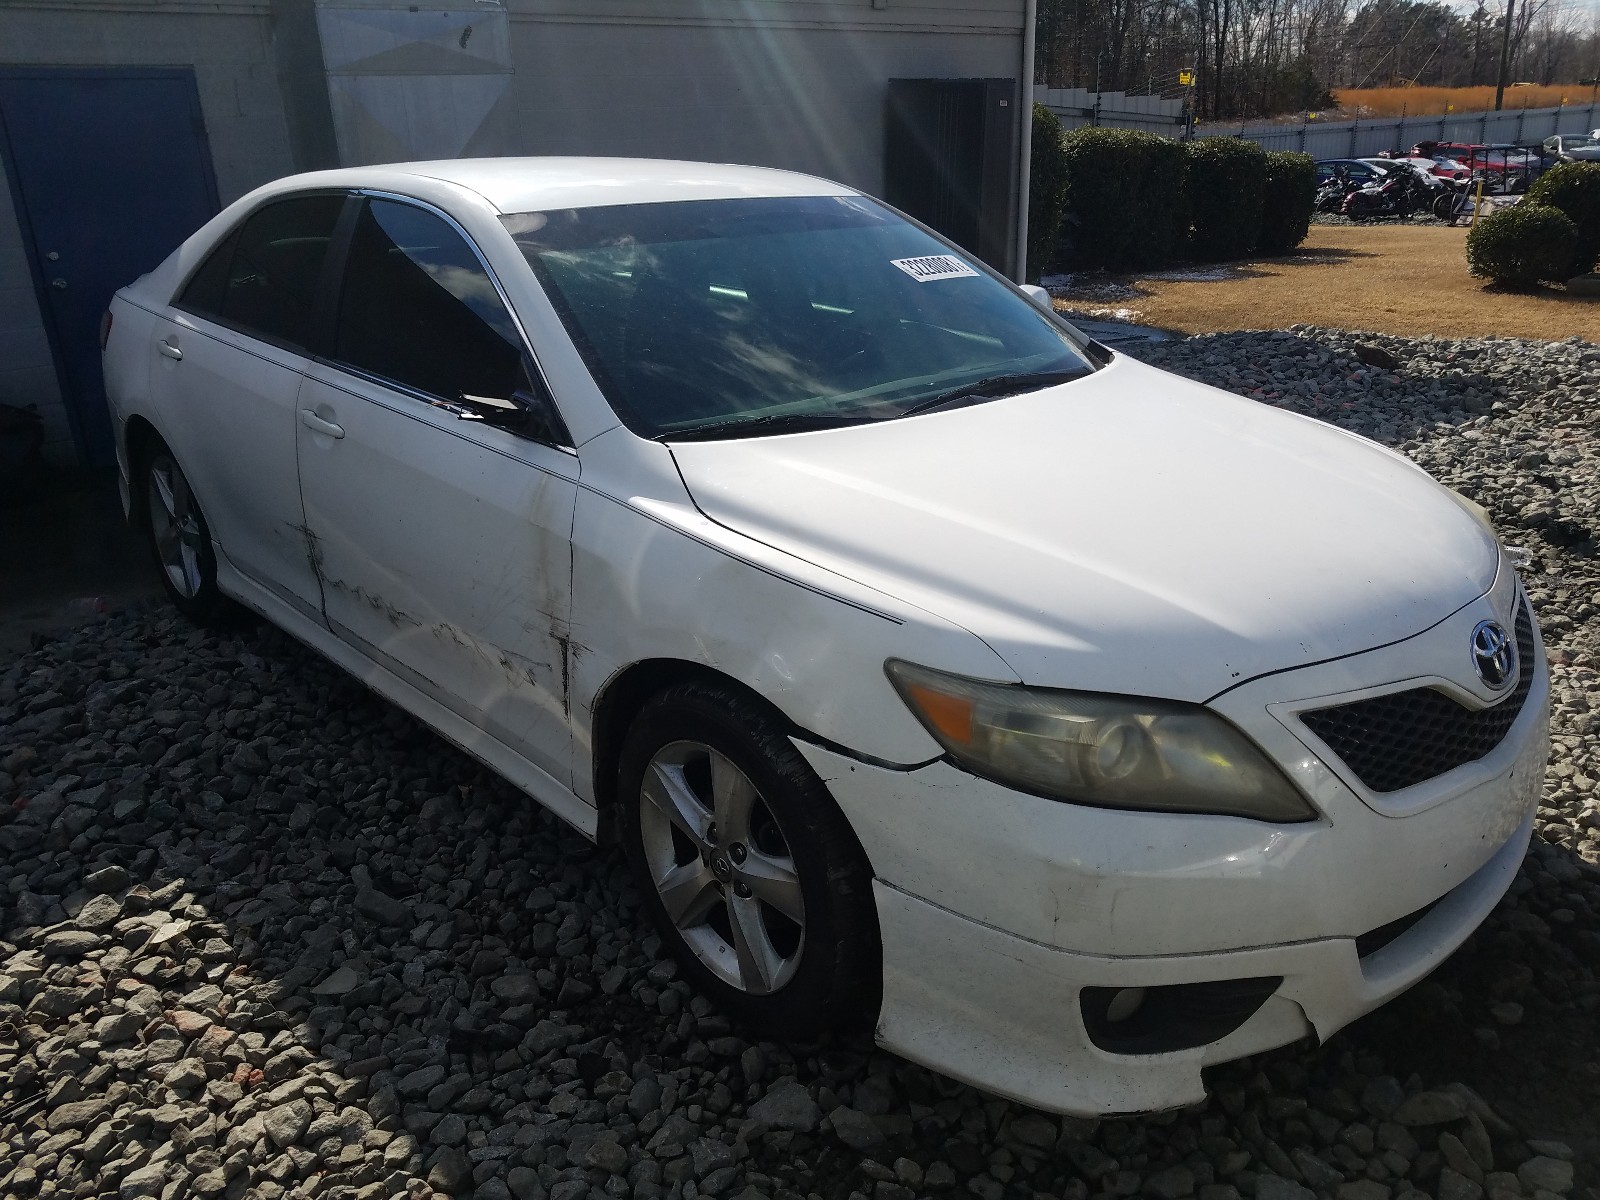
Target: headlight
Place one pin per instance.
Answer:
(1111, 751)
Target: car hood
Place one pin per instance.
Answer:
(1131, 531)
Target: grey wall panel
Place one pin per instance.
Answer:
(412, 83)
(804, 99)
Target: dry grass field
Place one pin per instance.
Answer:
(1402, 279)
(1420, 101)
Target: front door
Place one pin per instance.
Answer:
(443, 545)
(110, 171)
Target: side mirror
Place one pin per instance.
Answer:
(527, 414)
(1039, 296)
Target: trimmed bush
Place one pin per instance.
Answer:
(1522, 245)
(1574, 188)
(1226, 179)
(1047, 191)
(1288, 195)
(1124, 199)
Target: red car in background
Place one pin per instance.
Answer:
(1502, 167)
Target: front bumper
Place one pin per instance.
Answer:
(997, 909)
(1001, 1012)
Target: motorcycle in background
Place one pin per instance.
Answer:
(1398, 194)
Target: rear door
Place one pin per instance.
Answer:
(444, 544)
(226, 374)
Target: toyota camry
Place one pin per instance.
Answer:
(1072, 724)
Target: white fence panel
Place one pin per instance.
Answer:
(1361, 139)
(1076, 107)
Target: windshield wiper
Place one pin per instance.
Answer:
(992, 387)
(772, 423)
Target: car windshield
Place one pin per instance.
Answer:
(711, 318)
(1579, 142)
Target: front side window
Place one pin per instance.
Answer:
(418, 308)
(724, 317)
(263, 278)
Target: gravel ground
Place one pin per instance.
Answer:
(262, 935)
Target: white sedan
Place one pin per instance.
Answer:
(1072, 724)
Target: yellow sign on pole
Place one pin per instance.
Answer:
(1185, 78)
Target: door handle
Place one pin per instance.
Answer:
(168, 349)
(311, 421)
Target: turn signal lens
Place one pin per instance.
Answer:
(951, 715)
(1110, 751)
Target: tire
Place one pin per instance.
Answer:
(714, 798)
(179, 538)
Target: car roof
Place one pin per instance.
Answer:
(514, 185)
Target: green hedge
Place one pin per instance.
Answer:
(1522, 245)
(1226, 180)
(1124, 198)
(1289, 193)
(1047, 191)
(1574, 188)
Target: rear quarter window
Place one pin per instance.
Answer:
(264, 277)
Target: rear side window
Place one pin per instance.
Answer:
(206, 287)
(263, 279)
(417, 307)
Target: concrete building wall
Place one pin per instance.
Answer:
(799, 84)
(228, 44)
(785, 84)
(289, 85)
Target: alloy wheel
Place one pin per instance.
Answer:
(175, 526)
(722, 867)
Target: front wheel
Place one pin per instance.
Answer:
(180, 539)
(747, 866)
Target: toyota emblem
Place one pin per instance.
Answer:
(1494, 654)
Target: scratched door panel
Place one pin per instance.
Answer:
(444, 550)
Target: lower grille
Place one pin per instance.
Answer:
(1373, 940)
(1405, 738)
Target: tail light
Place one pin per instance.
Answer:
(105, 330)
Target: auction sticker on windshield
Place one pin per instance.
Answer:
(934, 266)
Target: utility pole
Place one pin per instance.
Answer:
(1505, 60)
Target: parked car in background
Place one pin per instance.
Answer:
(1574, 147)
(1072, 725)
(1456, 150)
(1506, 168)
(1502, 167)
(1357, 170)
(1448, 168)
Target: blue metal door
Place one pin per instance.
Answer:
(110, 170)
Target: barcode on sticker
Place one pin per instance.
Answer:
(934, 266)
